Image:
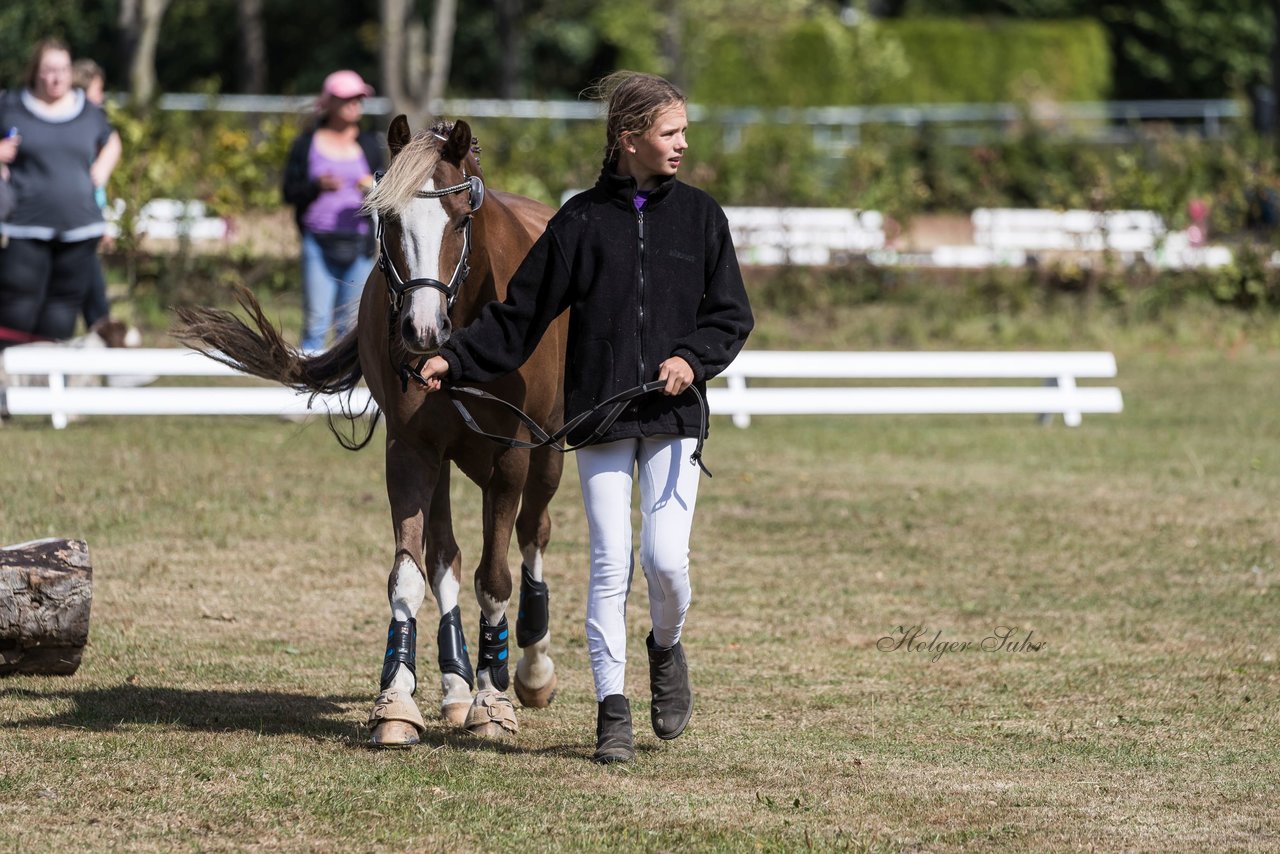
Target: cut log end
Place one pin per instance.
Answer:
(45, 596)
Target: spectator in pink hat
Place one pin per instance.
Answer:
(329, 170)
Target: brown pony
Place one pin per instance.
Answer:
(434, 220)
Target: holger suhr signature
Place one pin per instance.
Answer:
(918, 639)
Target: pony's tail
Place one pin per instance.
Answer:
(262, 352)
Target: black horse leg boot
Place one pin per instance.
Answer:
(669, 681)
(613, 731)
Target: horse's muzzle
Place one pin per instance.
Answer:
(424, 342)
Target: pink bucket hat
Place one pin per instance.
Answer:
(345, 84)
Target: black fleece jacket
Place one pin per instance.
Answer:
(300, 189)
(640, 287)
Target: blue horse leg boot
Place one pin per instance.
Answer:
(493, 652)
(402, 649)
(534, 615)
(452, 648)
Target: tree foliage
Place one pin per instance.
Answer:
(553, 48)
(1160, 48)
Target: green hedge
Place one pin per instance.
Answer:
(234, 164)
(813, 61)
(980, 61)
(819, 61)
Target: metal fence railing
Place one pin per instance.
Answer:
(834, 128)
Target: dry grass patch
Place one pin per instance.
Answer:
(240, 571)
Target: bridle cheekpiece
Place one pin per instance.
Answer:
(397, 286)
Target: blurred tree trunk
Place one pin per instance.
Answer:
(253, 45)
(443, 25)
(672, 48)
(1275, 72)
(392, 14)
(411, 78)
(139, 34)
(511, 48)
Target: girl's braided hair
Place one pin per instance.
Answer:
(634, 101)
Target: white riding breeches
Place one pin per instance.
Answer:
(668, 492)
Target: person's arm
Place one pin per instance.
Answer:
(8, 153)
(105, 163)
(724, 315)
(298, 188)
(506, 333)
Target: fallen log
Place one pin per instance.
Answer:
(45, 594)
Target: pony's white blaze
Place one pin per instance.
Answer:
(423, 225)
(408, 590)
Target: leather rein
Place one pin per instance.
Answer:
(612, 407)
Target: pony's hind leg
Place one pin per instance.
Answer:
(445, 559)
(535, 678)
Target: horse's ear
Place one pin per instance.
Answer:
(398, 134)
(459, 143)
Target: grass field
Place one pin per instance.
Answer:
(239, 611)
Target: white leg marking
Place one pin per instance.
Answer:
(408, 590)
(454, 689)
(492, 609)
(533, 559)
(535, 667)
(445, 587)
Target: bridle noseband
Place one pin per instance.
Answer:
(397, 287)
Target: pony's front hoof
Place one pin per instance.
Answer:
(393, 735)
(455, 713)
(492, 715)
(395, 720)
(536, 698)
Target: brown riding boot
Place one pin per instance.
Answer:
(672, 697)
(613, 731)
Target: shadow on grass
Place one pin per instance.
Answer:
(325, 718)
(125, 706)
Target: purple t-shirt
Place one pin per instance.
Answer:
(642, 196)
(337, 210)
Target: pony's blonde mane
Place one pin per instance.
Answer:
(409, 170)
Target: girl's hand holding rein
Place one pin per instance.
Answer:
(434, 371)
(678, 374)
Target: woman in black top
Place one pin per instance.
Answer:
(55, 150)
(646, 268)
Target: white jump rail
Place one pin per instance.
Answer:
(60, 400)
(1058, 394)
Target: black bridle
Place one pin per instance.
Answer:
(397, 287)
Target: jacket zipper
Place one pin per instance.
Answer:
(640, 334)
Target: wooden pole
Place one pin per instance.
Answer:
(45, 594)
